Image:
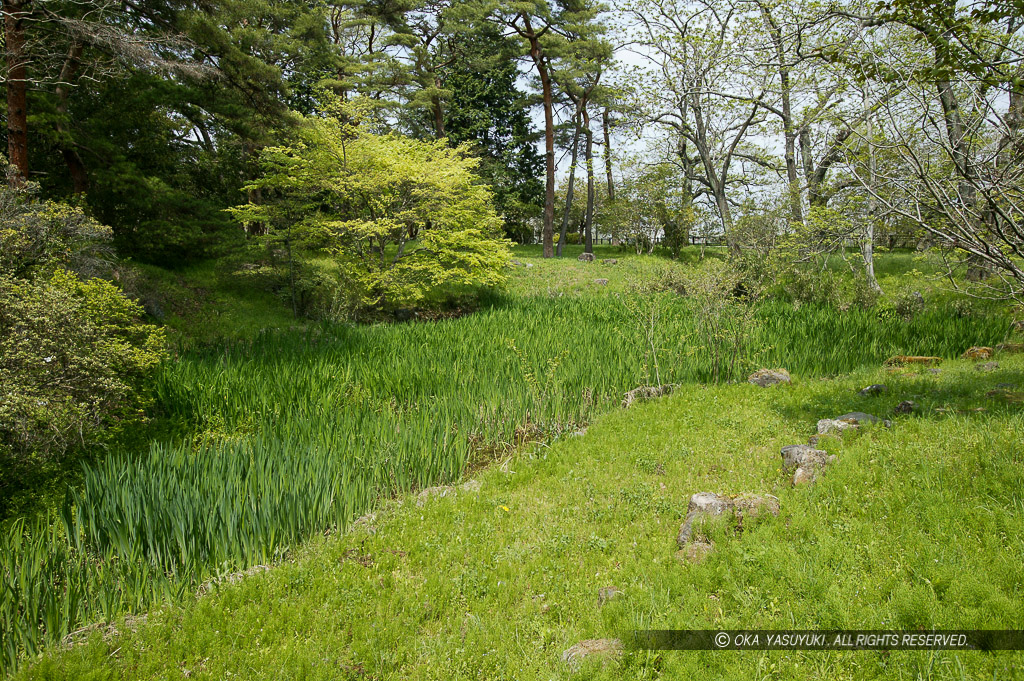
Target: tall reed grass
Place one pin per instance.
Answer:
(296, 432)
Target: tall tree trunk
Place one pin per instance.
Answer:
(540, 61)
(606, 126)
(17, 89)
(569, 192)
(867, 244)
(588, 225)
(789, 131)
(76, 168)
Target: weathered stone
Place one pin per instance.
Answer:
(601, 282)
(904, 407)
(804, 475)
(517, 263)
(607, 593)
(529, 264)
(610, 261)
(606, 648)
(988, 366)
(829, 426)
(646, 392)
(438, 491)
(1012, 348)
(872, 390)
(587, 257)
(695, 551)
(860, 418)
(977, 352)
(471, 486)
(795, 456)
(767, 377)
(701, 504)
(755, 505)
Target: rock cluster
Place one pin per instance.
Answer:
(768, 377)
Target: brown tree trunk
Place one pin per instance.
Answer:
(76, 168)
(17, 89)
(540, 61)
(438, 112)
(588, 225)
(570, 190)
(606, 125)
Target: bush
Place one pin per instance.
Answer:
(74, 354)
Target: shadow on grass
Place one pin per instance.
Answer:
(956, 391)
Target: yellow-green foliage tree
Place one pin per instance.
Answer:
(402, 218)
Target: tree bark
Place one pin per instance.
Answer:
(540, 61)
(17, 89)
(588, 225)
(76, 168)
(570, 190)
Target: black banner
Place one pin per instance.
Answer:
(812, 639)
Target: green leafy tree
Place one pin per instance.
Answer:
(403, 219)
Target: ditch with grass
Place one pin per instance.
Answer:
(270, 444)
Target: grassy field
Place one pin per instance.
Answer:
(917, 526)
(273, 436)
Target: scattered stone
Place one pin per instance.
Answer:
(755, 505)
(806, 460)
(587, 257)
(529, 264)
(767, 377)
(646, 392)
(601, 282)
(471, 486)
(606, 648)
(872, 390)
(438, 491)
(610, 261)
(579, 433)
(977, 352)
(829, 426)
(813, 440)
(903, 360)
(709, 505)
(935, 371)
(795, 456)
(988, 366)
(904, 407)
(860, 418)
(695, 551)
(607, 593)
(517, 263)
(1012, 348)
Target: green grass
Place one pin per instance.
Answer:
(291, 432)
(917, 526)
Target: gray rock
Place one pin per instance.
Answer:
(707, 505)
(610, 261)
(587, 257)
(529, 264)
(471, 486)
(934, 370)
(768, 377)
(607, 593)
(606, 648)
(988, 366)
(860, 418)
(872, 390)
(804, 475)
(517, 263)
(695, 551)
(601, 282)
(795, 456)
(904, 407)
(701, 504)
(830, 426)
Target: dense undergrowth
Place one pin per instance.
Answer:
(273, 439)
